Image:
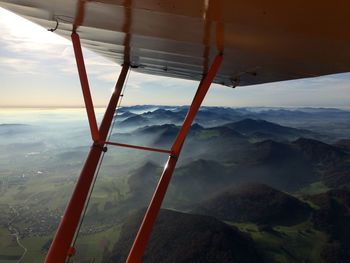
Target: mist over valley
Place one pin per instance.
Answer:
(252, 184)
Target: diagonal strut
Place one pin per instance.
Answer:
(61, 243)
(145, 230)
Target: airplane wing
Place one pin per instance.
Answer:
(262, 40)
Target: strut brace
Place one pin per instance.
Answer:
(61, 245)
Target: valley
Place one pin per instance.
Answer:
(252, 185)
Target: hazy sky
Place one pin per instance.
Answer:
(37, 68)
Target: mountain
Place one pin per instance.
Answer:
(261, 129)
(139, 109)
(270, 151)
(142, 183)
(343, 144)
(191, 183)
(277, 164)
(196, 181)
(134, 121)
(207, 116)
(214, 132)
(218, 157)
(318, 152)
(163, 135)
(165, 116)
(124, 115)
(338, 176)
(156, 129)
(289, 166)
(223, 142)
(333, 217)
(181, 238)
(331, 162)
(318, 123)
(256, 203)
(213, 116)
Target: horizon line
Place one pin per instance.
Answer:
(165, 105)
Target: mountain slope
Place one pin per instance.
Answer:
(318, 152)
(333, 217)
(256, 203)
(142, 183)
(182, 238)
(344, 144)
(134, 121)
(261, 129)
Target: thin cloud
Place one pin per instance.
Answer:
(30, 49)
(16, 65)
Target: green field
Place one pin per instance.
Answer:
(314, 188)
(282, 244)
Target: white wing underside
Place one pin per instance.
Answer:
(262, 41)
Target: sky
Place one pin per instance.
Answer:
(37, 69)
